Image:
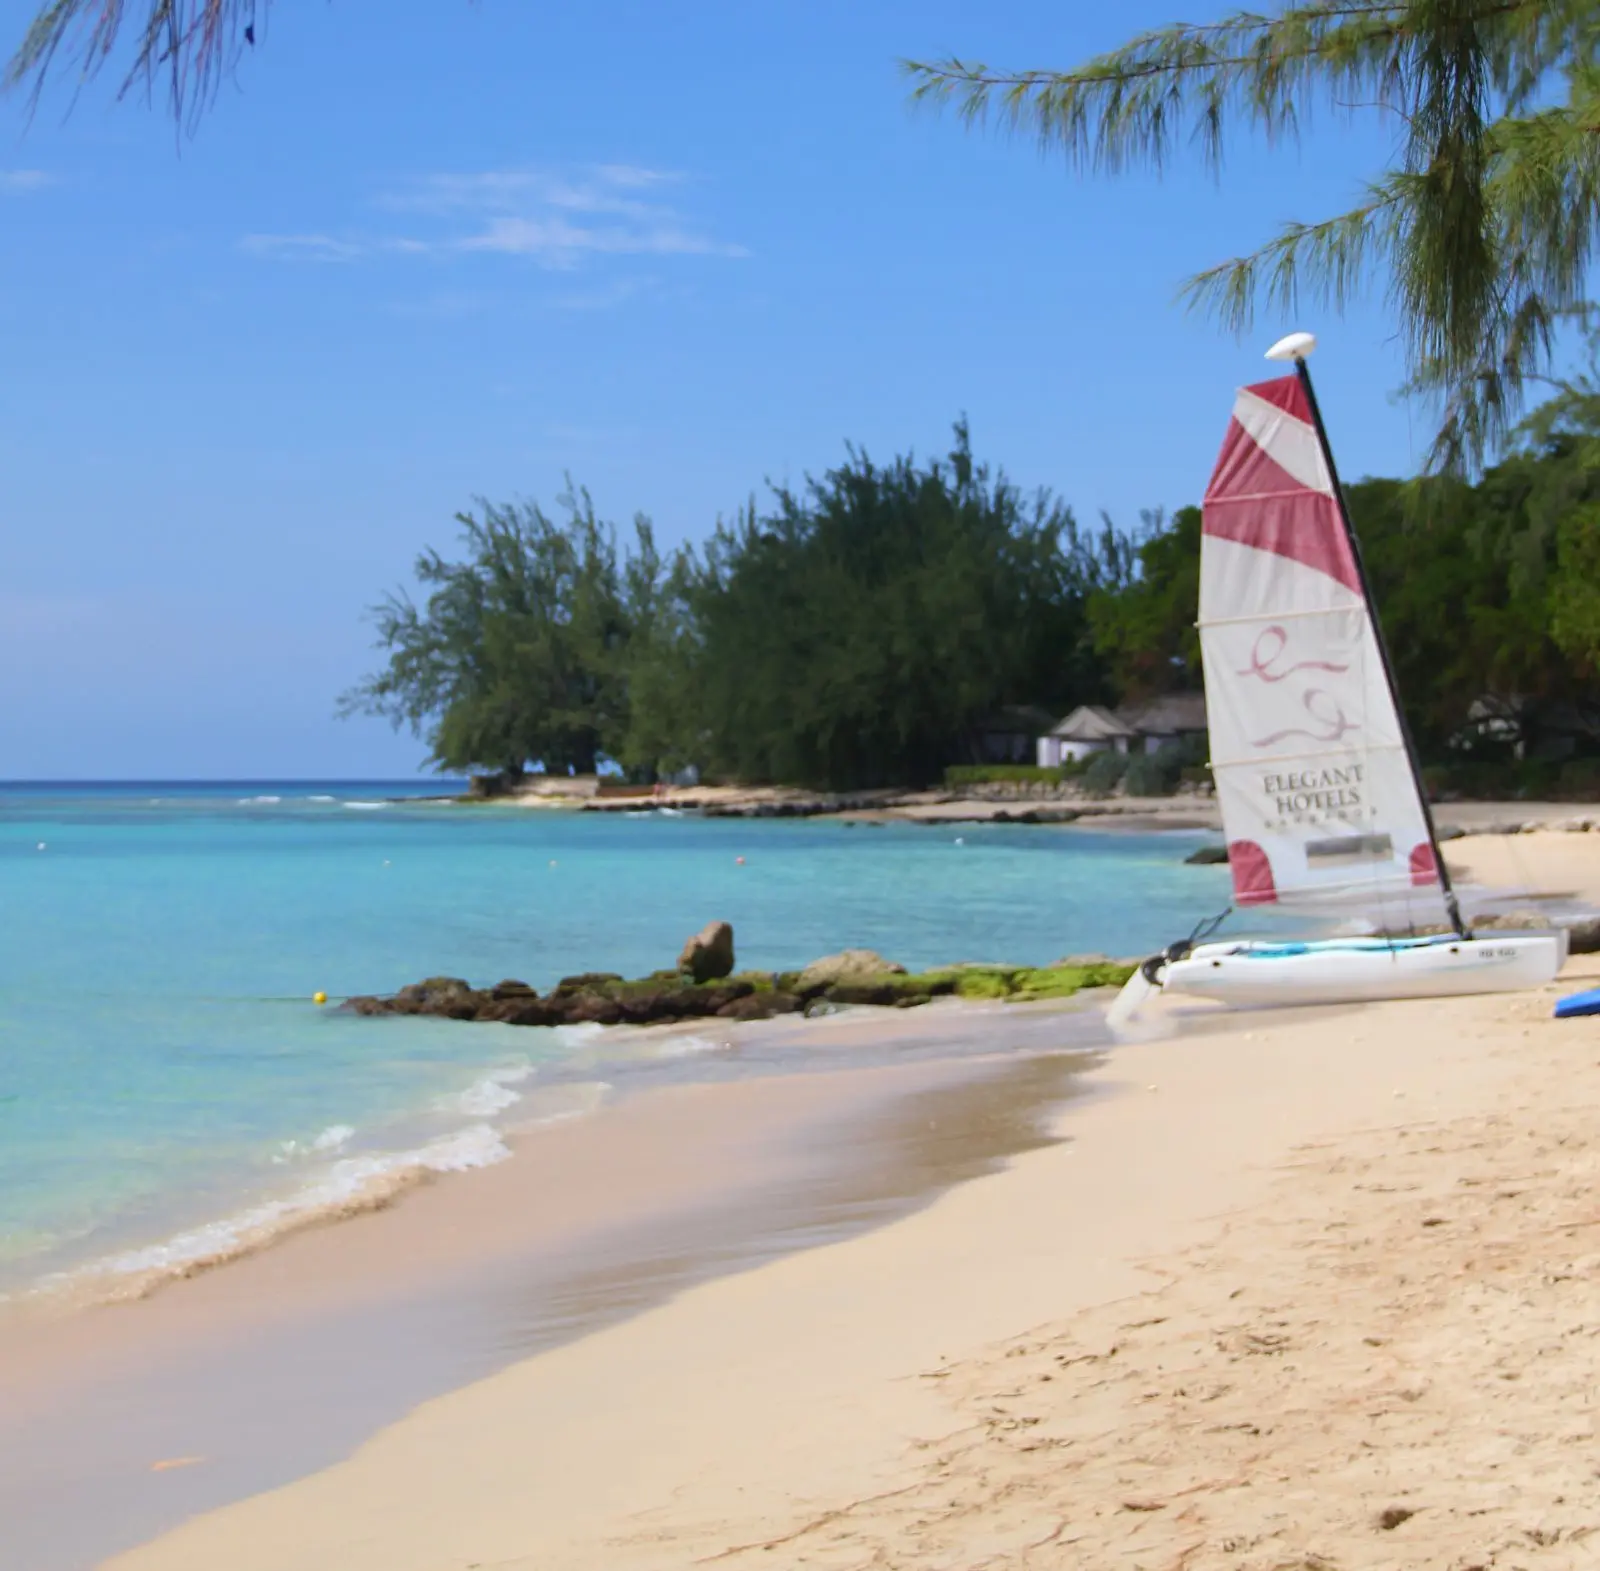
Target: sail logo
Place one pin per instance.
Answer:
(1336, 789)
(1270, 646)
(1323, 710)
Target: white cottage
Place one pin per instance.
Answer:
(1167, 721)
(1088, 729)
(1141, 728)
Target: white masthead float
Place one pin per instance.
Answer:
(1316, 777)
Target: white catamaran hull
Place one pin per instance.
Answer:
(1345, 971)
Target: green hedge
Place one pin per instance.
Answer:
(958, 775)
(1507, 780)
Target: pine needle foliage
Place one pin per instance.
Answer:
(182, 49)
(1479, 233)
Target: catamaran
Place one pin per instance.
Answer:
(1316, 775)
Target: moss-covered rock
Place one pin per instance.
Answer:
(607, 998)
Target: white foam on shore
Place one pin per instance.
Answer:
(490, 1095)
(349, 1187)
(687, 1046)
(334, 1138)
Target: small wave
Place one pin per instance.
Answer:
(349, 1187)
(365, 807)
(334, 1138)
(254, 801)
(322, 799)
(491, 1095)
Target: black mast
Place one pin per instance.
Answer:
(1452, 905)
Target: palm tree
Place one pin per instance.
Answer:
(1479, 231)
(183, 47)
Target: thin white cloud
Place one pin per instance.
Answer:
(301, 248)
(609, 188)
(556, 242)
(17, 181)
(557, 220)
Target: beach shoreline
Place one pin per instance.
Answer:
(329, 1331)
(945, 1389)
(1234, 1094)
(1186, 811)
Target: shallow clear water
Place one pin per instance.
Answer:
(162, 1065)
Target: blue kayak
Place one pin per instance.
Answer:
(1585, 1003)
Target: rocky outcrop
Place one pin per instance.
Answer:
(708, 956)
(849, 965)
(854, 977)
(1207, 856)
(595, 998)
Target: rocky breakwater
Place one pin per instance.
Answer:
(704, 985)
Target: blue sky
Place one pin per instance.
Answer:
(674, 249)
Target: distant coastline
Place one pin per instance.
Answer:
(993, 804)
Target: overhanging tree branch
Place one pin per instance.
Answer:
(1480, 233)
(184, 47)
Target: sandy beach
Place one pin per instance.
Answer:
(1296, 1290)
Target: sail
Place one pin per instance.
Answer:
(1318, 797)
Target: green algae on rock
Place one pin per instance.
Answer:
(604, 998)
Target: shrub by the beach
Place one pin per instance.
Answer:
(1152, 774)
(1104, 773)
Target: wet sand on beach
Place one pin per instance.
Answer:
(119, 1421)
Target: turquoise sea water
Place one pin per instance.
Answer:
(162, 1067)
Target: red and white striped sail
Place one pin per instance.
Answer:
(1317, 793)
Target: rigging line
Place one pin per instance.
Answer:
(1207, 925)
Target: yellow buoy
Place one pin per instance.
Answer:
(319, 998)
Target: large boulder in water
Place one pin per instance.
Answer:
(447, 996)
(708, 956)
(849, 965)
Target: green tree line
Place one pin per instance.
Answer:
(859, 630)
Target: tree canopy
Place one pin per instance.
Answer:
(520, 651)
(864, 628)
(858, 631)
(1480, 232)
(855, 632)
